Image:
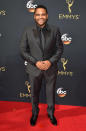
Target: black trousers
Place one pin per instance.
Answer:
(36, 82)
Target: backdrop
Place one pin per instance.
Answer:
(70, 16)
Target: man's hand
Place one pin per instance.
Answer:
(47, 64)
(43, 65)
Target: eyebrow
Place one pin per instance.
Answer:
(39, 14)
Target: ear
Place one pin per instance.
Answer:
(34, 16)
(47, 16)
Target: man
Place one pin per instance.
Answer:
(41, 47)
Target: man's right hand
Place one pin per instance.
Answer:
(40, 65)
(43, 65)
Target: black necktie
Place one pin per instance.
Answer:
(42, 38)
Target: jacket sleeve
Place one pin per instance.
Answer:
(24, 49)
(59, 48)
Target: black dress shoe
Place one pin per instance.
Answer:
(52, 119)
(33, 120)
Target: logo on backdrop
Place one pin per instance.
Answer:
(66, 39)
(61, 92)
(29, 91)
(70, 4)
(25, 63)
(2, 69)
(73, 16)
(64, 72)
(30, 6)
(28, 86)
(2, 12)
(64, 63)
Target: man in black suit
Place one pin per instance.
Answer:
(41, 47)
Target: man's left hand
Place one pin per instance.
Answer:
(47, 64)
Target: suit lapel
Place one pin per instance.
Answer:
(36, 36)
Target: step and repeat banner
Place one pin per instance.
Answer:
(70, 16)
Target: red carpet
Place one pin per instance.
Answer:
(15, 116)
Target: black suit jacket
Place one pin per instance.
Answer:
(32, 51)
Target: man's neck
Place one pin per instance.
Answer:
(41, 25)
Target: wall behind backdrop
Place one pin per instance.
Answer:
(70, 16)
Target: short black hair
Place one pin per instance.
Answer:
(41, 6)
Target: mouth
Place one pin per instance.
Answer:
(41, 20)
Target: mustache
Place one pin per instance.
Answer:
(41, 19)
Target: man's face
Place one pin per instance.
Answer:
(40, 16)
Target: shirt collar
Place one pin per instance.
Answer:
(46, 27)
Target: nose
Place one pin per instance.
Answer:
(40, 16)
